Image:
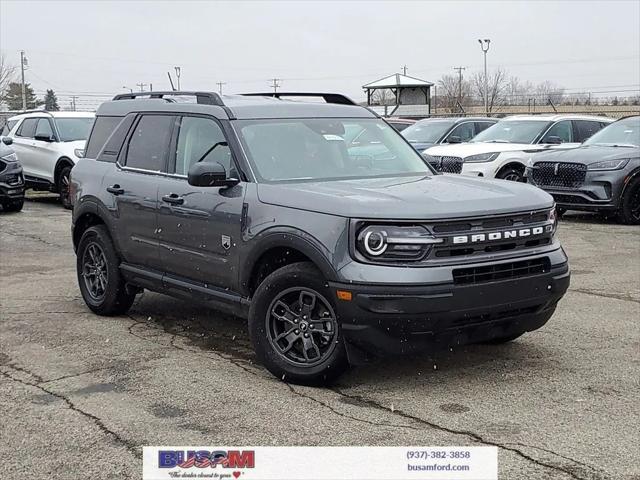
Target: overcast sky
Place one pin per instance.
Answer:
(84, 47)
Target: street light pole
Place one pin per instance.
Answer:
(484, 45)
(178, 72)
(23, 64)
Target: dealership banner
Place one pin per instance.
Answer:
(320, 463)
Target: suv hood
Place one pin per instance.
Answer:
(588, 154)
(421, 146)
(464, 150)
(413, 197)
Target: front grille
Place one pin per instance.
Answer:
(502, 271)
(446, 164)
(559, 174)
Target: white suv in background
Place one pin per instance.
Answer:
(48, 145)
(502, 150)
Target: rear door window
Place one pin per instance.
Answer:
(585, 129)
(8, 126)
(27, 128)
(102, 130)
(149, 143)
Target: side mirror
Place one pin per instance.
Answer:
(44, 137)
(7, 140)
(553, 140)
(210, 175)
(454, 139)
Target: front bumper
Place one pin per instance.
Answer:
(401, 319)
(600, 191)
(11, 182)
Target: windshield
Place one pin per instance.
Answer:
(427, 132)
(71, 129)
(323, 149)
(623, 132)
(512, 131)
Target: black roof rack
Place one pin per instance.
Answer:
(204, 98)
(328, 97)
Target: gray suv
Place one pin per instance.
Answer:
(260, 207)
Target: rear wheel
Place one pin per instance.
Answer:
(629, 211)
(512, 174)
(101, 283)
(63, 187)
(294, 327)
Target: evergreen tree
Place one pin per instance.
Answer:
(51, 101)
(13, 97)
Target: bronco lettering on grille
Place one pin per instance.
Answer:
(494, 236)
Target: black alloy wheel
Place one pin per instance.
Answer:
(95, 271)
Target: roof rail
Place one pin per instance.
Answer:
(328, 97)
(35, 110)
(205, 98)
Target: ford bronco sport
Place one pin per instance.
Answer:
(258, 206)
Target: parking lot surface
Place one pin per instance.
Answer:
(81, 394)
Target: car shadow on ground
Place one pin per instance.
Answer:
(589, 217)
(175, 322)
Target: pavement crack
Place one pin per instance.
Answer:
(475, 437)
(130, 446)
(73, 375)
(615, 296)
(32, 237)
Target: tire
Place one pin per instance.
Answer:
(501, 340)
(286, 341)
(63, 187)
(110, 295)
(511, 174)
(629, 211)
(13, 205)
(560, 211)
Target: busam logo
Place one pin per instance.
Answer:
(207, 459)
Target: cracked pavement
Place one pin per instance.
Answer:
(560, 403)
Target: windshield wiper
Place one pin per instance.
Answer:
(498, 141)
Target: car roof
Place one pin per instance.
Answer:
(557, 117)
(236, 107)
(44, 113)
(455, 120)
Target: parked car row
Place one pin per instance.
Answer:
(48, 145)
(574, 157)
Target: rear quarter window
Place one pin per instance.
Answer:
(103, 127)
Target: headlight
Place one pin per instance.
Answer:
(79, 152)
(389, 243)
(12, 157)
(609, 164)
(482, 157)
(553, 217)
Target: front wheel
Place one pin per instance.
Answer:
(629, 211)
(63, 187)
(294, 327)
(101, 283)
(511, 174)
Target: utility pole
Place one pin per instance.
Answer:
(178, 72)
(73, 102)
(24, 63)
(127, 88)
(220, 84)
(274, 84)
(459, 69)
(484, 45)
(404, 70)
(141, 85)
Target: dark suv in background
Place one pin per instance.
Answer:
(260, 207)
(11, 178)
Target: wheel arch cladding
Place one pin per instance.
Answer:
(277, 250)
(84, 220)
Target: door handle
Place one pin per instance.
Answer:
(115, 189)
(173, 199)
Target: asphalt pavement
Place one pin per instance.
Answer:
(81, 394)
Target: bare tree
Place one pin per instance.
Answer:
(549, 91)
(518, 92)
(497, 88)
(7, 74)
(450, 91)
(383, 96)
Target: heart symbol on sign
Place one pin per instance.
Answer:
(236, 474)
